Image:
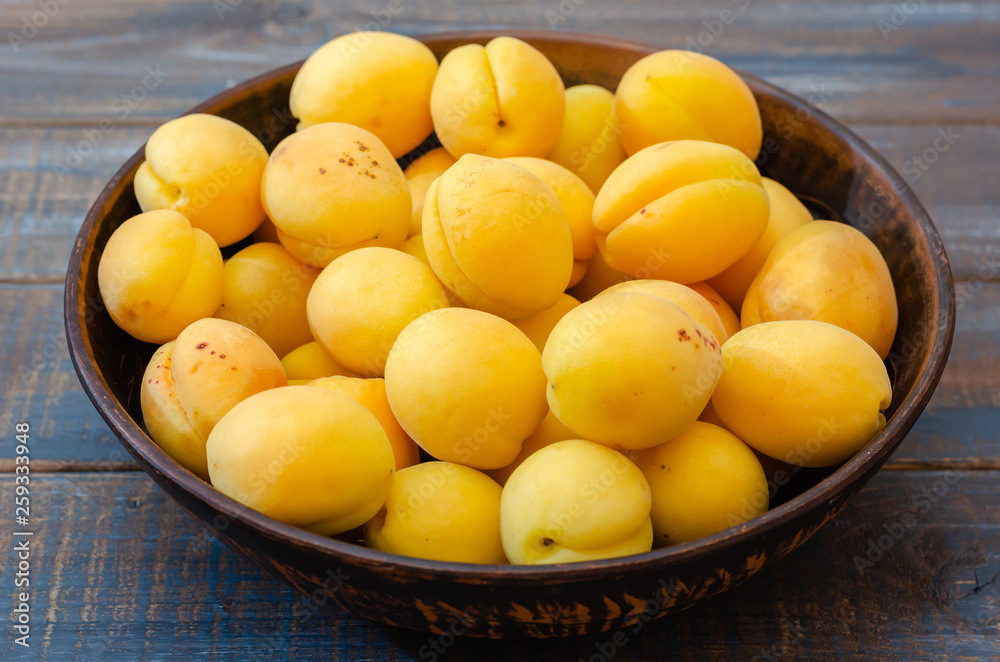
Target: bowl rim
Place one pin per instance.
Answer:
(154, 460)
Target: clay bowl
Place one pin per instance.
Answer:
(815, 156)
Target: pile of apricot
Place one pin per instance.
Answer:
(574, 330)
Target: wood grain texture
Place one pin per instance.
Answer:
(123, 573)
(94, 52)
(38, 385)
(142, 581)
(50, 176)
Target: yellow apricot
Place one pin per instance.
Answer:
(787, 214)
(802, 391)
(415, 246)
(364, 299)
(378, 81)
(830, 272)
(629, 370)
(750, 312)
(577, 203)
(502, 99)
(310, 361)
(538, 326)
(157, 275)
(682, 95)
(497, 237)
(191, 383)
(549, 431)
(207, 168)
(418, 192)
(371, 394)
(704, 481)
(729, 318)
(598, 277)
(305, 456)
(264, 289)
(435, 162)
(575, 501)
(683, 297)
(440, 511)
(590, 141)
(681, 211)
(333, 188)
(467, 386)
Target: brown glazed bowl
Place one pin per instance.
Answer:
(813, 155)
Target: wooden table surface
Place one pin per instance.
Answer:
(119, 572)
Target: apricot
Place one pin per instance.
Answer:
(434, 161)
(629, 370)
(577, 203)
(575, 501)
(467, 386)
(802, 391)
(371, 394)
(703, 481)
(207, 168)
(682, 95)
(750, 312)
(157, 275)
(379, 81)
(333, 188)
(497, 237)
(440, 511)
(310, 361)
(364, 299)
(786, 214)
(418, 193)
(305, 456)
(190, 384)
(729, 318)
(683, 297)
(264, 289)
(414, 246)
(548, 432)
(589, 143)
(681, 211)
(830, 272)
(538, 326)
(598, 277)
(502, 99)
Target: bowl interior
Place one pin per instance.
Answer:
(815, 157)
